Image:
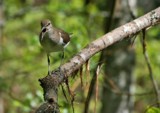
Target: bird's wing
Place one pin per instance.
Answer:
(64, 35)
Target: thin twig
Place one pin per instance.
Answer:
(81, 75)
(155, 86)
(97, 73)
(130, 10)
(91, 87)
(64, 93)
(87, 72)
(71, 95)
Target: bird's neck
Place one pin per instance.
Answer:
(51, 30)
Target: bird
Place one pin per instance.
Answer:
(53, 39)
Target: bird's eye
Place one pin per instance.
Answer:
(44, 30)
(48, 24)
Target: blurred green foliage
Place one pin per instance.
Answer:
(153, 110)
(23, 61)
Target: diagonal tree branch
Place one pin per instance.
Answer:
(51, 83)
(110, 38)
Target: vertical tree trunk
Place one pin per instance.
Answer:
(119, 64)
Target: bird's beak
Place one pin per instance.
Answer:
(43, 31)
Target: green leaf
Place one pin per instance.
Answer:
(153, 110)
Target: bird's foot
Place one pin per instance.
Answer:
(59, 68)
(49, 72)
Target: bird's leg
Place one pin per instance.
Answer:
(48, 63)
(62, 58)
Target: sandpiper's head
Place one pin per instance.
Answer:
(45, 25)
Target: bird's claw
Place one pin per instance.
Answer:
(49, 73)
